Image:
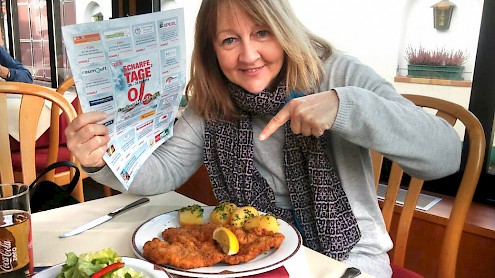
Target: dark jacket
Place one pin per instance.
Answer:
(18, 72)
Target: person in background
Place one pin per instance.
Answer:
(13, 70)
(284, 122)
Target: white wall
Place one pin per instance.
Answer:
(368, 30)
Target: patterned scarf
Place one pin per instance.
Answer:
(320, 204)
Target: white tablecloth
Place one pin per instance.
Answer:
(49, 249)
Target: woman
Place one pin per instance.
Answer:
(284, 123)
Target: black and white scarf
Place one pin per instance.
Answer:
(319, 201)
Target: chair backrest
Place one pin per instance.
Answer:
(33, 100)
(451, 112)
(54, 131)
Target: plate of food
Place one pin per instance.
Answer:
(216, 241)
(102, 262)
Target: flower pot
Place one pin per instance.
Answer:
(436, 72)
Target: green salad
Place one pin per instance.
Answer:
(105, 263)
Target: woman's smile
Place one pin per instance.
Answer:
(252, 71)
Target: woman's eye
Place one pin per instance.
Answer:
(262, 33)
(228, 41)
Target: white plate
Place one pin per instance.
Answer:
(147, 268)
(263, 263)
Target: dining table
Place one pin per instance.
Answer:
(49, 249)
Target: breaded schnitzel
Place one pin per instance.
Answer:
(252, 243)
(193, 246)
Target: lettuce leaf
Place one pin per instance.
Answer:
(88, 263)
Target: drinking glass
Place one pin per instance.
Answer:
(16, 248)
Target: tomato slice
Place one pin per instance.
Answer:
(107, 269)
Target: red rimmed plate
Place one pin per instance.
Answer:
(263, 263)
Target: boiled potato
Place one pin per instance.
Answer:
(269, 223)
(191, 215)
(242, 214)
(252, 223)
(222, 213)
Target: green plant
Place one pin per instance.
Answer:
(435, 57)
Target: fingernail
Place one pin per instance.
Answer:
(262, 137)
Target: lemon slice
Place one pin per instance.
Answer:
(227, 240)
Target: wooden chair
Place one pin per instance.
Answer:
(449, 247)
(33, 100)
(50, 146)
(55, 146)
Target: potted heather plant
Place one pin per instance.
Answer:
(439, 63)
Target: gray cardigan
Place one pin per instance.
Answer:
(371, 115)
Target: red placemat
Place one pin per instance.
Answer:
(279, 272)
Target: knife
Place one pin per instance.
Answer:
(104, 218)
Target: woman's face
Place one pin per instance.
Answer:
(249, 55)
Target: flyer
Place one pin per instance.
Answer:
(134, 70)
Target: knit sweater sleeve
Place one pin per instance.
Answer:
(373, 115)
(170, 165)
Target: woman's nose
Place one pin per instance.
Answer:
(249, 52)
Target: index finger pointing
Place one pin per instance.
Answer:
(277, 121)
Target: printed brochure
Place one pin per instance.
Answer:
(133, 69)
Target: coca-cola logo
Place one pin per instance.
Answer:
(8, 254)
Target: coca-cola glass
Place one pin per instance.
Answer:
(16, 247)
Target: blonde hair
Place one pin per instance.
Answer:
(302, 68)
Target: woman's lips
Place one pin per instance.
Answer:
(252, 70)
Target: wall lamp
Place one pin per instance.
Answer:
(442, 14)
(97, 17)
